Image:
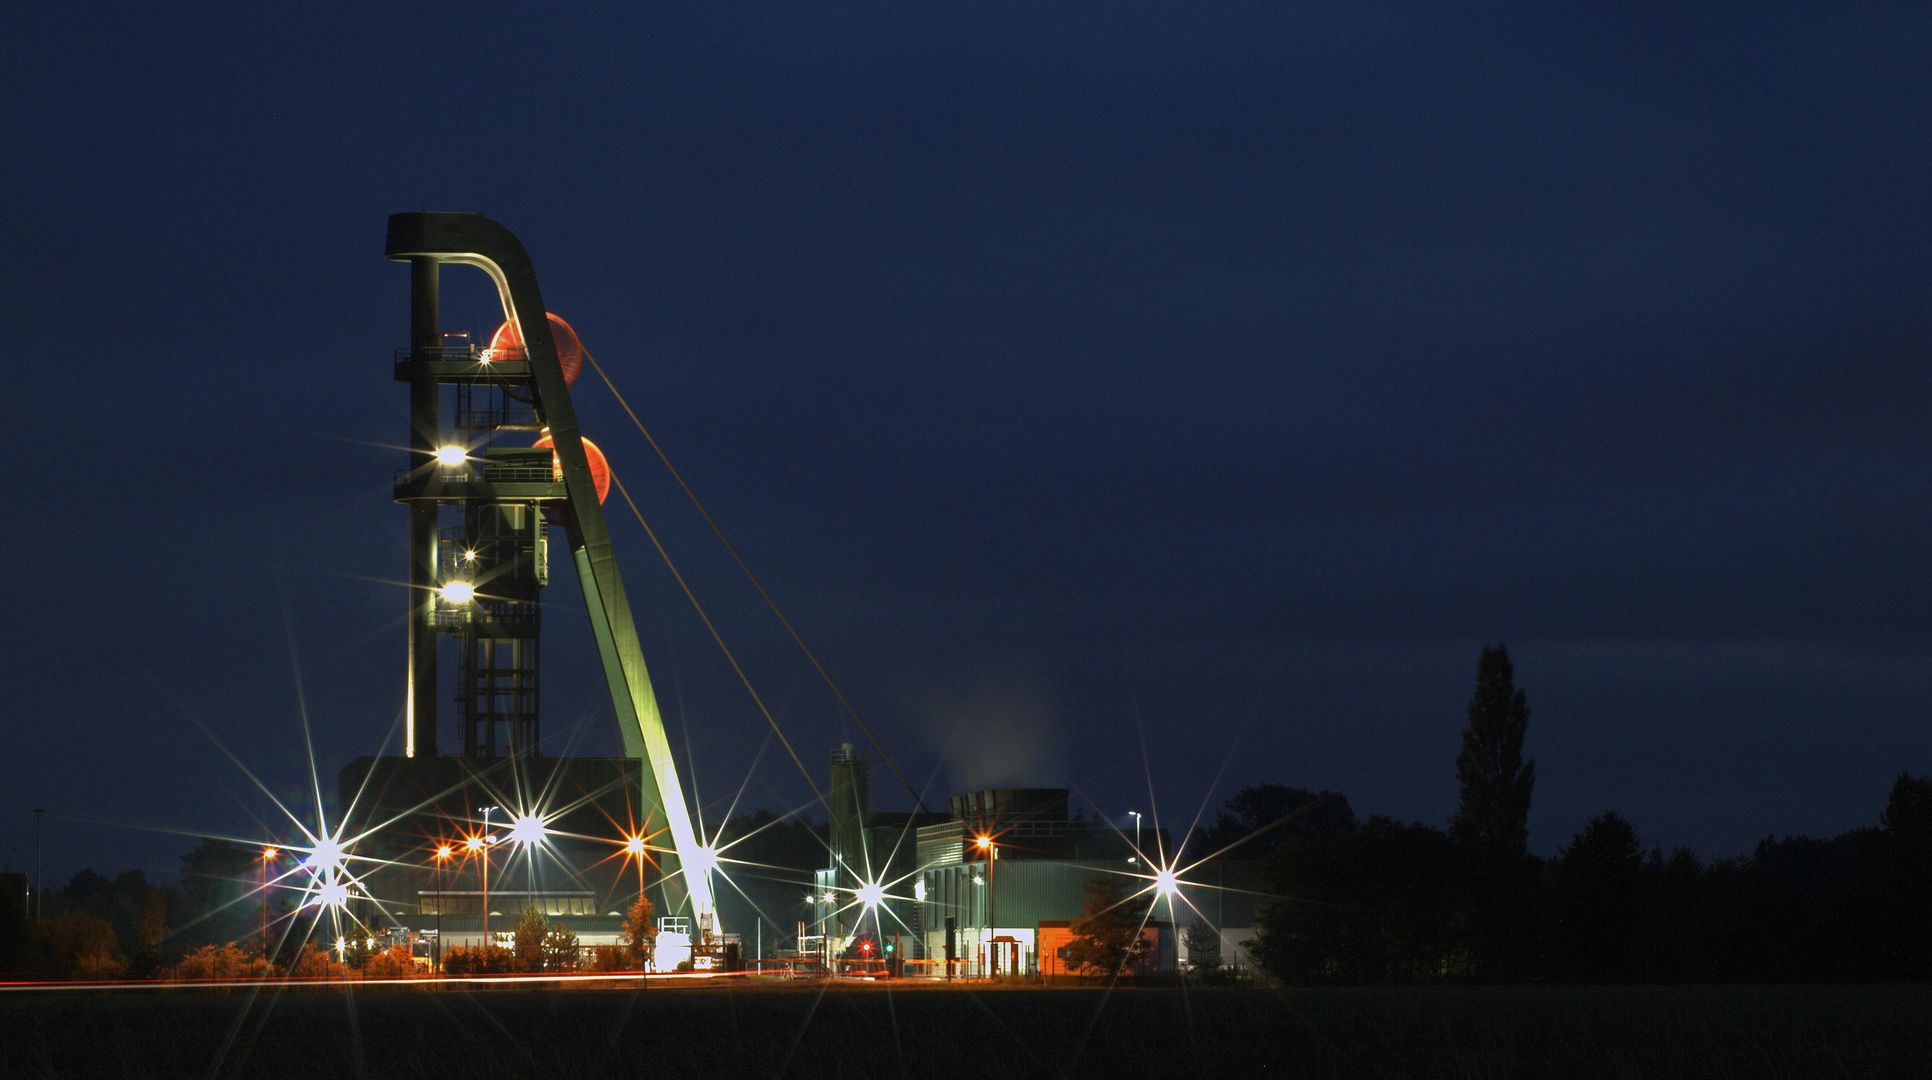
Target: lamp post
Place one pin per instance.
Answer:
(268, 858)
(985, 843)
(436, 955)
(483, 845)
(39, 812)
(1136, 816)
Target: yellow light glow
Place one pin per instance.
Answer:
(269, 853)
(451, 456)
(831, 898)
(983, 842)
(474, 843)
(444, 852)
(635, 845)
(459, 592)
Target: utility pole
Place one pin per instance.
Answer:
(39, 812)
(1136, 814)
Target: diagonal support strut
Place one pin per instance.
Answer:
(475, 240)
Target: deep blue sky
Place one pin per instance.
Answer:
(1221, 373)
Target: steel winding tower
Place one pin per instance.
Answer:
(476, 571)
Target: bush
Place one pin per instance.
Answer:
(229, 961)
(84, 944)
(610, 958)
(480, 960)
(391, 963)
(316, 963)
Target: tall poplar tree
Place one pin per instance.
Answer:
(1496, 781)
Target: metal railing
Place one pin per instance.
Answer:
(489, 474)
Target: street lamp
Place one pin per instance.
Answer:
(1136, 816)
(436, 957)
(268, 857)
(486, 811)
(985, 843)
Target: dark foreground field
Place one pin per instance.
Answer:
(1730, 1032)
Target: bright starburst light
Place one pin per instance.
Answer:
(528, 830)
(871, 894)
(703, 861)
(325, 858)
(1165, 883)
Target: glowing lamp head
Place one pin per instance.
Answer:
(458, 592)
(333, 894)
(449, 457)
(445, 852)
(269, 853)
(635, 845)
(474, 843)
(528, 830)
(1164, 881)
(469, 556)
(919, 890)
(871, 894)
(831, 897)
(984, 843)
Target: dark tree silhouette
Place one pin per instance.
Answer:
(1497, 878)
(1495, 779)
(1600, 891)
(1279, 814)
(1368, 904)
(1887, 892)
(1106, 936)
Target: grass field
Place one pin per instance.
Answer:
(922, 1032)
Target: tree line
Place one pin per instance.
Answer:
(1375, 900)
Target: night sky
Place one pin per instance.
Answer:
(1208, 378)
